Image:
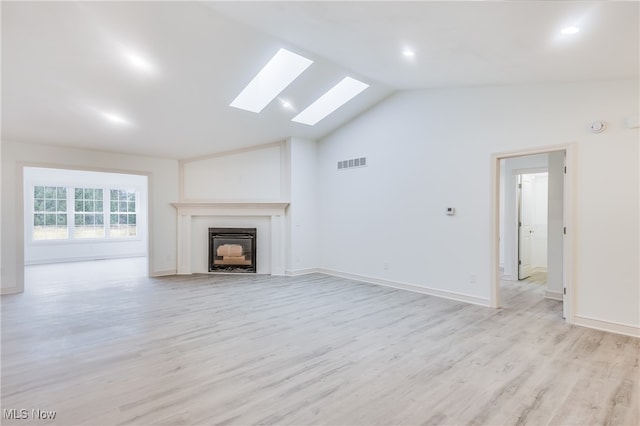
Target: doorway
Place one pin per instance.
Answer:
(77, 221)
(531, 214)
(532, 193)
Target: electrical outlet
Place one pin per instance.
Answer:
(473, 279)
(385, 266)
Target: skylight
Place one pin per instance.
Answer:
(276, 75)
(337, 96)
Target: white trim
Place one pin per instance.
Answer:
(240, 208)
(20, 196)
(166, 273)
(406, 286)
(83, 258)
(611, 327)
(298, 272)
(554, 295)
(278, 243)
(274, 211)
(10, 290)
(569, 211)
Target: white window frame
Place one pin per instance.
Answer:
(71, 211)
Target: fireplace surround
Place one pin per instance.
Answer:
(232, 250)
(274, 241)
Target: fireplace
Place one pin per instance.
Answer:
(232, 250)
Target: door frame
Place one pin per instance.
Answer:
(20, 213)
(519, 228)
(568, 245)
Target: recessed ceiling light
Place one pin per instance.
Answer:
(408, 53)
(139, 63)
(114, 118)
(276, 75)
(286, 104)
(337, 96)
(570, 30)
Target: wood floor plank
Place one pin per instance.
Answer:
(251, 349)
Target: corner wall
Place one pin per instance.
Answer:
(163, 189)
(555, 213)
(302, 213)
(428, 150)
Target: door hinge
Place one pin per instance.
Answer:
(564, 291)
(564, 230)
(519, 262)
(519, 185)
(565, 169)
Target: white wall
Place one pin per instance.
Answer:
(555, 223)
(302, 214)
(253, 174)
(163, 189)
(431, 149)
(50, 251)
(1, 263)
(539, 189)
(501, 213)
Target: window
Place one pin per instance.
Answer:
(61, 213)
(89, 213)
(122, 220)
(50, 213)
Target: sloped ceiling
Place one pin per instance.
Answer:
(65, 65)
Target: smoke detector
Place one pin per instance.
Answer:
(597, 127)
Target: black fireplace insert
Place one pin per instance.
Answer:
(232, 250)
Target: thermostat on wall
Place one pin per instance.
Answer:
(451, 211)
(597, 127)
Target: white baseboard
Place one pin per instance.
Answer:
(9, 290)
(162, 273)
(612, 327)
(406, 286)
(72, 259)
(298, 272)
(555, 295)
(509, 277)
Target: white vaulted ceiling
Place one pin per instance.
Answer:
(156, 78)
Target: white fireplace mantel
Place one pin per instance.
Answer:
(274, 210)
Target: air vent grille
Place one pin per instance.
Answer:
(352, 163)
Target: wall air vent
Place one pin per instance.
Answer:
(352, 163)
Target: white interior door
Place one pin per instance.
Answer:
(525, 228)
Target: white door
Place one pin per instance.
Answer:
(525, 230)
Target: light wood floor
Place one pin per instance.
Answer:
(309, 350)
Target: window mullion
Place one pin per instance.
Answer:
(71, 223)
(106, 208)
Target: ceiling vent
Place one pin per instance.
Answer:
(352, 163)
